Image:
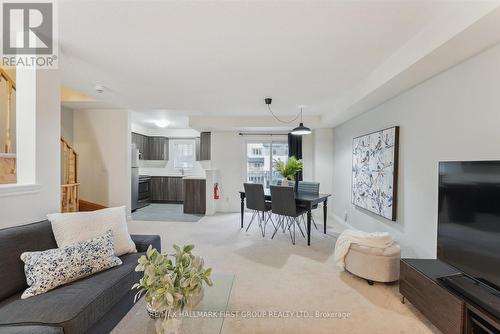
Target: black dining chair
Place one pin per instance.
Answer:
(311, 188)
(283, 204)
(256, 202)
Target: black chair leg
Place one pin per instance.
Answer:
(314, 222)
(300, 229)
(269, 218)
(251, 221)
(292, 236)
(277, 227)
(262, 224)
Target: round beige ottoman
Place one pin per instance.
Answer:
(374, 264)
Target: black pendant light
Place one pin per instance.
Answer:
(301, 129)
(298, 131)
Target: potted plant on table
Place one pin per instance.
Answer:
(172, 283)
(289, 169)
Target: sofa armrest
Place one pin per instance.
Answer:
(142, 242)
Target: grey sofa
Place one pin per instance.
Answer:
(94, 304)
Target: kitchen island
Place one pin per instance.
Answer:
(194, 195)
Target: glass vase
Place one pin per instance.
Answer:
(169, 325)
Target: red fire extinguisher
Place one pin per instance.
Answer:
(216, 191)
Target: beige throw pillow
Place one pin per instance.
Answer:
(73, 227)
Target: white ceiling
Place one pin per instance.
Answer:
(149, 119)
(221, 58)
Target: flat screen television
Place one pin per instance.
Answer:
(469, 218)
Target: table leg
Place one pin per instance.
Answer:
(309, 227)
(325, 215)
(242, 209)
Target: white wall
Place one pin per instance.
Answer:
(34, 203)
(67, 124)
(453, 116)
(322, 149)
(308, 157)
(102, 139)
(229, 158)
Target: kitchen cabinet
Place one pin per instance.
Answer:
(175, 191)
(167, 189)
(151, 148)
(158, 148)
(205, 142)
(195, 200)
(142, 144)
(158, 185)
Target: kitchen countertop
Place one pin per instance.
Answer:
(170, 172)
(185, 177)
(194, 177)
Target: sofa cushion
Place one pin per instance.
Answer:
(13, 242)
(76, 306)
(142, 242)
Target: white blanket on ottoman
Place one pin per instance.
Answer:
(348, 237)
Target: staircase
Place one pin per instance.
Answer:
(70, 187)
(8, 173)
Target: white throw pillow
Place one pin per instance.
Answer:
(49, 269)
(70, 228)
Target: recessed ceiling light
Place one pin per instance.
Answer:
(162, 123)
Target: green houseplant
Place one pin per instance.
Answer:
(172, 282)
(289, 169)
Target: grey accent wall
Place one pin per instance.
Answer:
(453, 116)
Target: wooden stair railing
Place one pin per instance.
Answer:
(11, 88)
(70, 186)
(8, 173)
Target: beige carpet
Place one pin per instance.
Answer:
(274, 275)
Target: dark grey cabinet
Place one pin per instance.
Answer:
(167, 189)
(195, 203)
(142, 144)
(175, 189)
(158, 148)
(151, 148)
(205, 142)
(157, 188)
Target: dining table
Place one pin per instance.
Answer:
(305, 200)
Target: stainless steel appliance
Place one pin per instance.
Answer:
(144, 197)
(135, 177)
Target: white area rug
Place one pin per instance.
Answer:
(274, 275)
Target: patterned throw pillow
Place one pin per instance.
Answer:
(54, 267)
